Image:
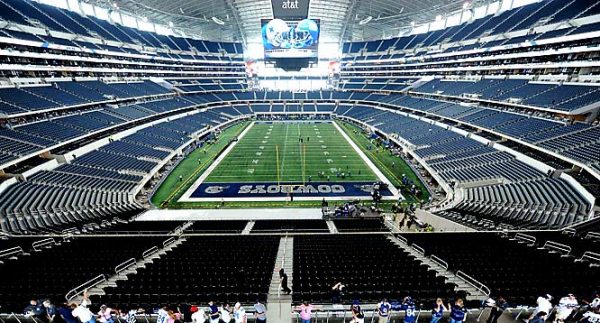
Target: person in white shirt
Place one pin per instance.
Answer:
(163, 315)
(239, 313)
(543, 305)
(198, 314)
(592, 316)
(225, 313)
(566, 305)
(82, 312)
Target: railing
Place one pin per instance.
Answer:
(569, 231)
(38, 245)
(592, 236)
(439, 261)
(418, 248)
(552, 246)
(81, 288)
(168, 242)
(149, 252)
(592, 257)
(402, 238)
(11, 252)
(124, 265)
(473, 282)
(525, 238)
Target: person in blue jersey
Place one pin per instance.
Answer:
(410, 310)
(438, 310)
(384, 310)
(458, 312)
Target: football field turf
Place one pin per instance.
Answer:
(292, 152)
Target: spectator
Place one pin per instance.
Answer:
(66, 312)
(591, 316)
(105, 314)
(539, 317)
(50, 310)
(438, 310)
(497, 308)
(239, 313)
(198, 315)
(213, 312)
(383, 310)
(305, 311)
(337, 292)
(358, 316)
(566, 305)
(409, 308)
(34, 309)
(458, 312)
(225, 313)
(131, 315)
(260, 312)
(283, 281)
(163, 315)
(543, 305)
(82, 312)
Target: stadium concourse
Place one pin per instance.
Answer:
(299, 161)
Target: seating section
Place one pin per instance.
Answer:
(53, 272)
(290, 225)
(97, 184)
(522, 196)
(201, 270)
(561, 97)
(357, 225)
(366, 264)
(526, 272)
(15, 101)
(522, 18)
(31, 13)
(217, 226)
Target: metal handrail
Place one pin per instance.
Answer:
(593, 257)
(439, 261)
(402, 238)
(42, 243)
(81, 288)
(168, 241)
(418, 248)
(124, 265)
(474, 282)
(557, 247)
(569, 231)
(592, 235)
(149, 252)
(11, 252)
(522, 237)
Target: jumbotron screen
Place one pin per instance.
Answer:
(290, 39)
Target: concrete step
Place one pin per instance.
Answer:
(331, 226)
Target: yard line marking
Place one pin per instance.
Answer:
(285, 140)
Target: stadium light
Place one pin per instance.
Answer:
(365, 21)
(218, 21)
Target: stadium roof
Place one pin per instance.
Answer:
(239, 20)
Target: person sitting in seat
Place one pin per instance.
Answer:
(337, 291)
(35, 309)
(566, 305)
(458, 312)
(260, 312)
(213, 312)
(358, 316)
(383, 310)
(438, 311)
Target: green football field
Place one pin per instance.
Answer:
(274, 152)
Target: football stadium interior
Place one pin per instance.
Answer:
(299, 161)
